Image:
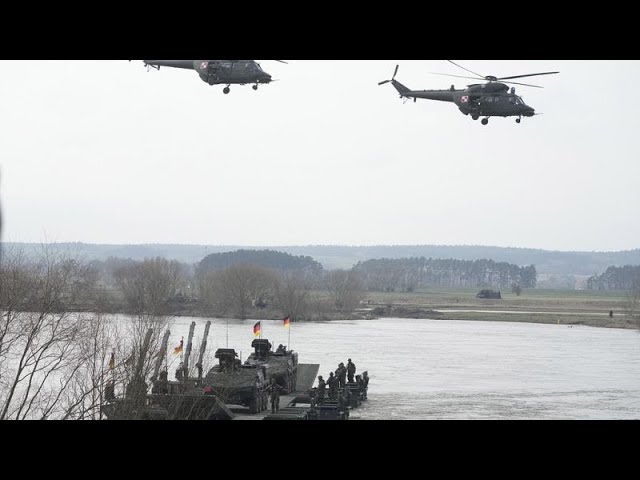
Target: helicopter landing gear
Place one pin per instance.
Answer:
(255, 87)
(518, 120)
(485, 121)
(226, 90)
(475, 116)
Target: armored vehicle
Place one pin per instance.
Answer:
(489, 294)
(238, 384)
(281, 364)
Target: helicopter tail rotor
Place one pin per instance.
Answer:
(392, 78)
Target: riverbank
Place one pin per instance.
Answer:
(565, 318)
(567, 307)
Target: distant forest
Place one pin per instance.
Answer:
(409, 274)
(616, 278)
(345, 257)
(261, 258)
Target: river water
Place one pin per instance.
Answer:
(445, 369)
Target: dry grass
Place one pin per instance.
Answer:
(570, 307)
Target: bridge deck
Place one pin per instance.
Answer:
(307, 373)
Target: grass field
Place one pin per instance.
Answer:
(573, 307)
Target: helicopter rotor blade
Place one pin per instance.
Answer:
(524, 84)
(282, 61)
(460, 66)
(382, 83)
(457, 76)
(529, 75)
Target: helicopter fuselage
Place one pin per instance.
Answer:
(216, 72)
(486, 100)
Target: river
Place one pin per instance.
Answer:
(446, 369)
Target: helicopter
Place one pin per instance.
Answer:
(491, 99)
(217, 72)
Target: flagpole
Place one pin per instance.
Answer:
(289, 333)
(113, 374)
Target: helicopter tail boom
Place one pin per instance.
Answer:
(186, 64)
(400, 87)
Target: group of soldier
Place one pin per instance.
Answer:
(338, 380)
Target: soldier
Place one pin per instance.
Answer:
(161, 386)
(281, 349)
(365, 382)
(274, 391)
(351, 370)
(321, 387)
(341, 373)
(332, 382)
(180, 372)
(109, 391)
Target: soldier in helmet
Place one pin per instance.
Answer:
(321, 387)
(341, 373)
(332, 383)
(274, 394)
(351, 370)
(365, 383)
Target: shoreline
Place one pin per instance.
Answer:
(591, 319)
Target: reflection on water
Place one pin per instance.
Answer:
(441, 369)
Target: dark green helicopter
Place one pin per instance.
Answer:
(492, 99)
(220, 72)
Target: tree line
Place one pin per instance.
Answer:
(616, 278)
(336, 256)
(409, 274)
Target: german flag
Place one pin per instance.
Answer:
(178, 349)
(286, 321)
(257, 329)
(112, 361)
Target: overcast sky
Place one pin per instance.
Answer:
(106, 152)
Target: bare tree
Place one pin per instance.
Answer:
(345, 289)
(147, 286)
(40, 341)
(238, 287)
(206, 281)
(291, 292)
(633, 303)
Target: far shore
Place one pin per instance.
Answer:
(602, 309)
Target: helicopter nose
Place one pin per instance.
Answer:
(266, 78)
(529, 112)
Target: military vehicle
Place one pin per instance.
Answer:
(220, 72)
(237, 384)
(491, 99)
(281, 364)
(491, 294)
(184, 399)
